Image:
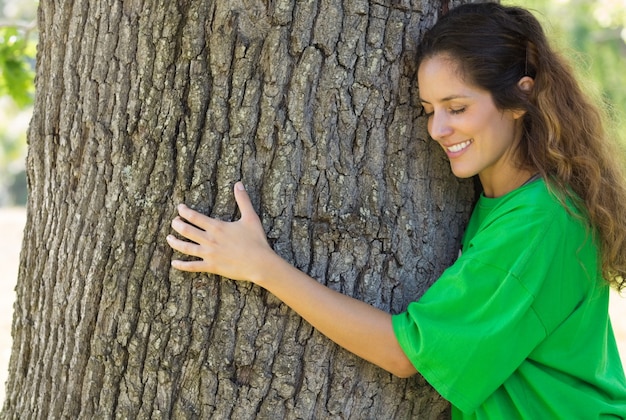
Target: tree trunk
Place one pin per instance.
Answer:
(143, 105)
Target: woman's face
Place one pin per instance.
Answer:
(477, 137)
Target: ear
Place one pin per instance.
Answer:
(525, 84)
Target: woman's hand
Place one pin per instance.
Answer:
(236, 250)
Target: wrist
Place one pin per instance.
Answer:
(267, 268)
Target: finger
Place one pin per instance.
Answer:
(189, 231)
(194, 217)
(244, 203)
(183, 247)
(191, 266)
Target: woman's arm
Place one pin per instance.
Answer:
(239, 250)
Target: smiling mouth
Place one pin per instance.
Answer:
(459, 146)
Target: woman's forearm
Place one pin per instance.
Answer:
(358, 327)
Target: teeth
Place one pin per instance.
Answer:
(460, 146)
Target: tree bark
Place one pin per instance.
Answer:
(143, 105)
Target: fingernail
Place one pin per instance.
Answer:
(240, 186)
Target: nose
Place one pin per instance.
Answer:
(438, 126)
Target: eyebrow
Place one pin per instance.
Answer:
(446, 99)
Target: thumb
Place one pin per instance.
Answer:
(243, 201)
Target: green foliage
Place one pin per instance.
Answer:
(17, 58)
(16, 66)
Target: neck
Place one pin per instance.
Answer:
(494, 187)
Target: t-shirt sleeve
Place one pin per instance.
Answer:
(470, 331)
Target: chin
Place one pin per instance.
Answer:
(463, 173)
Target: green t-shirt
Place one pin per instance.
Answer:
(518, 326)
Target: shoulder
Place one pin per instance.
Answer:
(526, 225)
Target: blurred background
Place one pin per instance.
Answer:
(591, 33)
(18, 41)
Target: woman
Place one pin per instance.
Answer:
(518, 326)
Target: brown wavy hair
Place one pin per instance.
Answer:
(563, 130)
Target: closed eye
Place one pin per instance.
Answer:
(456, 111)
(428, 110)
